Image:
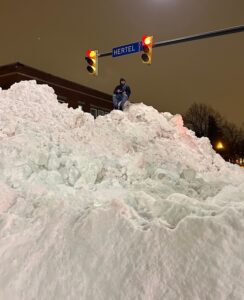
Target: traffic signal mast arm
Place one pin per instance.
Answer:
(189, 38)
(200, 36)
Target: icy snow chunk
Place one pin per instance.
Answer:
(53, 161)
(7, 197)
(188, 174)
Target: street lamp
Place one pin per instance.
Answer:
(219, 146)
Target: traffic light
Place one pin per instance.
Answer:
(147, 43)
(92, 60)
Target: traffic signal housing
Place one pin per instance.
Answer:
(92, 60)
(147, 44)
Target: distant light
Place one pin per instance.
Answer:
(219, 146)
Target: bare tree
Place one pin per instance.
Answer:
(203, 120)
(196, 118)
(234, 137)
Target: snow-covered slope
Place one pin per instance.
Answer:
(128, 206)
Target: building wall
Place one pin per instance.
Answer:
(74, 94)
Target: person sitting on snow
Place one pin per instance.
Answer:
(121, 94)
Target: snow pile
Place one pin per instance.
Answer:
(128, 206)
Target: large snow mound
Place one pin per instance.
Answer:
(128, 206)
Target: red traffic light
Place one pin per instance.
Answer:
(147, 45)
(91, 54)
(92, 60)
(147, 40)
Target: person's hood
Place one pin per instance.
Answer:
(122, 79)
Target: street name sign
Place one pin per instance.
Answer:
(126, 49)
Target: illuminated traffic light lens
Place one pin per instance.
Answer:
(145, 57)
(91, 53)
(146, 40)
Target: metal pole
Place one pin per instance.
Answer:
(104, 54)
(200, 36)
(189, 38)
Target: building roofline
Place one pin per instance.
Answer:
(18, 67)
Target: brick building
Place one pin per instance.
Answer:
(76, 95)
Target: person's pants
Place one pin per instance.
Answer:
(119, 101)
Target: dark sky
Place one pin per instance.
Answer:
(53, 36)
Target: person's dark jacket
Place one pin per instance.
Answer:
(122, 88)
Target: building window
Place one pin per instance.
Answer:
(80, 105)
(101, 112)
(97, 111)
(93, 112)
(62, 99)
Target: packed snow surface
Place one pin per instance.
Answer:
(128, 206)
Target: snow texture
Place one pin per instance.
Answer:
(129, 206)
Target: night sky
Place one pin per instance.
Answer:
(53, 36)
